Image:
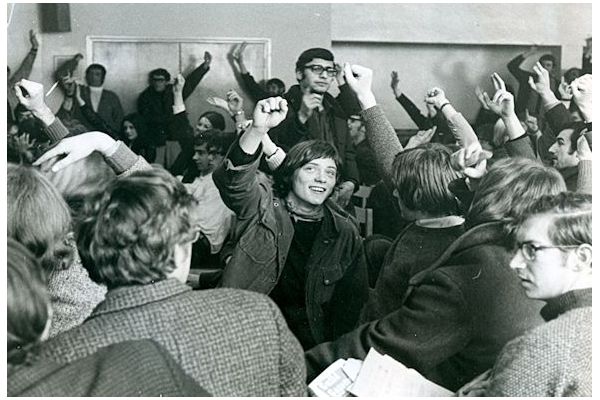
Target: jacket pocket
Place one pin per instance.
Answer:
(259, 245)
(332, 274)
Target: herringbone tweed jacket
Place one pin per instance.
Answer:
(232, 342)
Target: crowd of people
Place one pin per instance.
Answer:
(478, 274)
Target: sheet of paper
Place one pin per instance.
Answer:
(382, 376)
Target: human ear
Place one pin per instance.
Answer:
(299, 75)
(583, 253)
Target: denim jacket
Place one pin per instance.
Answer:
(336, 285)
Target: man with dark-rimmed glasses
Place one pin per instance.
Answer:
(553, 260)
(316, 114)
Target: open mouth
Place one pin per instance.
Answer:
(317, 189)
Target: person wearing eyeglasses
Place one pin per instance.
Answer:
(553, 260)
(316, 114)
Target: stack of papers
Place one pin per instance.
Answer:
(377, 376)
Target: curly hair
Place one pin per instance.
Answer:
(80, 181)
(129, 233)
(38, 217)
(27, 302)
(299, 155)
(421, 177)
(509, 188)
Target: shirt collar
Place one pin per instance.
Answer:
(441, 222)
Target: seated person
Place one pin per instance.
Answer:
(155, 105)
(134, 368)
(423, 122)
(553, 260)
(365, 159)
(179, 128)
(137, 240)
(135, 135)
(420, 180)
(273, 87)
(291, 242)
(527, 98)
(102, 101)
(39, 218)
(214, 218)
(453, 320)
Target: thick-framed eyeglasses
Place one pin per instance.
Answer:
(318, 69)
(529, 249)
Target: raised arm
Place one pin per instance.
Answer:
(236, 176)
(179, 129)
(411, 109)
(250, 84)
(116, 154)
(194, 78)
(584, 176)
(381, 136)
(24, 69)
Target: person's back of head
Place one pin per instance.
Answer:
(38, 217)
(82, 180)
(27, 304)
(129, 235)
(421, 177)
(509, 188)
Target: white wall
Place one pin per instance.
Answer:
(275, 21)
(566, 25)
(453, 46)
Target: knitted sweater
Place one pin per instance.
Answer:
(554, 359)
(73, 296)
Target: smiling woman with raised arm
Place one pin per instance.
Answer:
(291, 241)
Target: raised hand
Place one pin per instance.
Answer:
(471, 161)
(30, 94)
(582, 95)
(584, 150)
(339, 77)
(238, 53)
(178, 84)
(76, 148)
(395, 84)
(310, 102)
(235, 102)
(436, 97)
(541, 83)
(33, 40)
(269, 113)
(564, 89)
(421, 137)
(503, 103)
(480, 97)
(207, 58)
(360, 80)
(218, 102)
